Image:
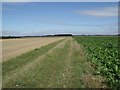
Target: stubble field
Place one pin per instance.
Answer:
(15, 47)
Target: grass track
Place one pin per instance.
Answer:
(58, 65)
(24, 59)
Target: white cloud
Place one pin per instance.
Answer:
(102, 12)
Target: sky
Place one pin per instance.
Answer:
(60, 0)
(41, 18)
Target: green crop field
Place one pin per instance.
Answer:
(103, 53)
(73, 62)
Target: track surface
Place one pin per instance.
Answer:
(63, 65)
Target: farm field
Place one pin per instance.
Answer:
(103, 53)
(15, 47)
(61, 64)
(70, 62)
(60, 44)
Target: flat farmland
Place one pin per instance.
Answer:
(61, 64)
(15, 47)
(68, 62)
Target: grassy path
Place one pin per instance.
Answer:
(58, 65)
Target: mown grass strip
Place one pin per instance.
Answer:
(79, 66)
(75, 67)
(23, 59)
(42, 74)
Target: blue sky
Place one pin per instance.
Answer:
(40, 18)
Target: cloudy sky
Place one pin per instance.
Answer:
(39, 18)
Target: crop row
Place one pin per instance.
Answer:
(103, 53)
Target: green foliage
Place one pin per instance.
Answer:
(103, 53)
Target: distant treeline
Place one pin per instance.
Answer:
(97, 35)
(13, 37)
(9, 37)
(63, 35)
(56, 35)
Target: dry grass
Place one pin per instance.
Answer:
(19, 71)
(15, 47)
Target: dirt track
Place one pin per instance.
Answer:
(15, 47)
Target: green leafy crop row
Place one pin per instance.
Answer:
(104, 55)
